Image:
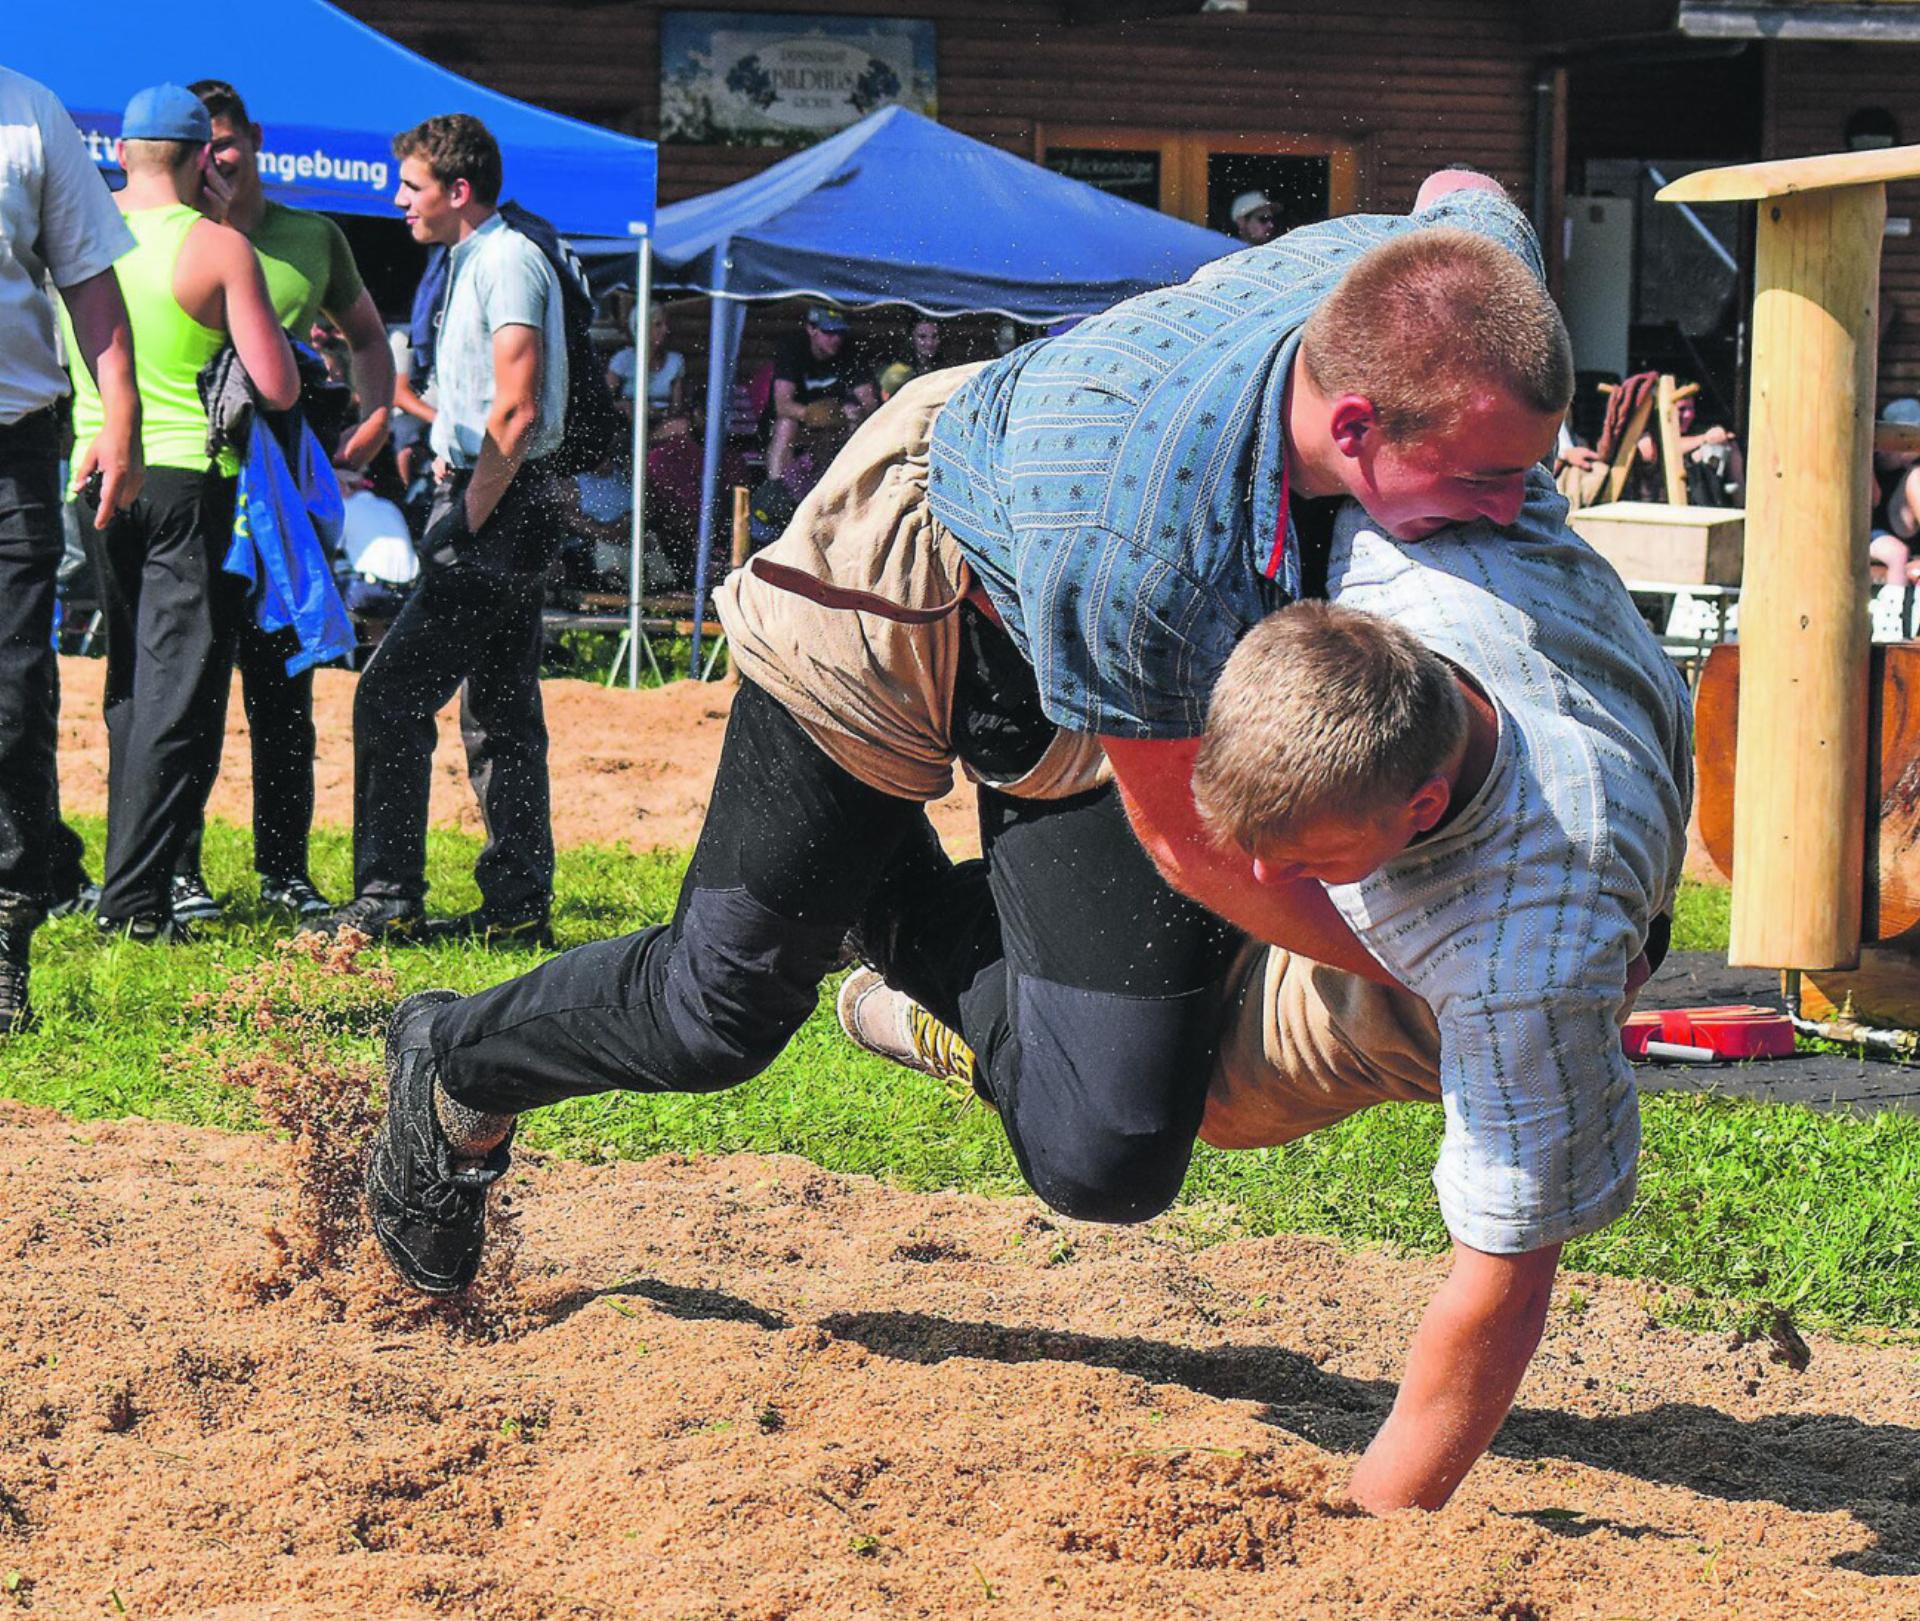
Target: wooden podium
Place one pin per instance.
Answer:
(1800, 813)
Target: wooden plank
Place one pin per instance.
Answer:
(1673, 471)
(1677, 545)
(1627, 449)
(1784, 177)
(1884, 990)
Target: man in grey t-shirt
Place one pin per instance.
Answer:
(473, 622)
(58, 224)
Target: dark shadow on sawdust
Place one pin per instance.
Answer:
(676, 1300)
(1811, 1462)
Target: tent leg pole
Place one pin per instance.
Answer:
(637, 525)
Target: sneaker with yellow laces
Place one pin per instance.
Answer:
(889, 1022)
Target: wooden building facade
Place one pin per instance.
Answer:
(1571, 105)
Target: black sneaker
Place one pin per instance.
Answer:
(192, 902)
(148, 928)
(378, 917)
(296, 895)
(533, 933)
(16, 1012)
(428, 1210)
(84, 899)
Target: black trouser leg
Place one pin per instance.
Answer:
(790, 851)
(473, 620)
(1092, 1022)
(170, 615)
(504, 729)
(39, 855)
(281, 737)
(419, 664)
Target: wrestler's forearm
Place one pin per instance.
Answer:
(1296, 916)
(1467, 1359)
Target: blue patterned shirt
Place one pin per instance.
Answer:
(1116, 488)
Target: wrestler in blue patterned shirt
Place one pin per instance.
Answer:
(1116, 488)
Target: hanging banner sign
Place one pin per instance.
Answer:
(730, 78)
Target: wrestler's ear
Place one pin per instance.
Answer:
(1353, 424)
(1429, 803)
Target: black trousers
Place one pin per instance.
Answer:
(280, 732)
(170, 617)
(1079, 978)
(39, 854)
(472, 625)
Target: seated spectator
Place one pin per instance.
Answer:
(1896, 502)
(820, 394)
(595, 509)
(923, 353)
(377, 560)
(666, 387)
(894, 378)
(1715, 470)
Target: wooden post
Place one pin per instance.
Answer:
(1673, 468)
(742, 523)
(1800, 816)
(742, 543)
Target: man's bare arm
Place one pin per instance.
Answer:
(1468, 1357)
(105, 339)
(372, 368)
(405, 396)
(249, 315)
(516, 408)
(1156, 786)
(784, 403)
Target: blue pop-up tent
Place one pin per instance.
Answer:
(329, 94)
(900, 210)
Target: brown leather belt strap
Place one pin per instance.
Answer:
(814, 589)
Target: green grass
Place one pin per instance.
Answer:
(1739, 1201)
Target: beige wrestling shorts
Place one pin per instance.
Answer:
(850, 619)
(1303, 1046)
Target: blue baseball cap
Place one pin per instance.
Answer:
(166, 112)
(825, 318)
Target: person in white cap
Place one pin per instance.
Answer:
(1253, 221)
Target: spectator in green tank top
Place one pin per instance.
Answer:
(310, 273)
(190, 286)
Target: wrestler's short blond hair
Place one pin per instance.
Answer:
(1322, 710)
(1423, 321)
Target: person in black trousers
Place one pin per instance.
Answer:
(473, 620)
(58, 222)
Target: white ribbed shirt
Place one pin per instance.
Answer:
(1517, 920)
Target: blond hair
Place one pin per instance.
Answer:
(1322, 710)
(157, 157)
(1426, 318)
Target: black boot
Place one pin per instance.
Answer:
(16, 1012)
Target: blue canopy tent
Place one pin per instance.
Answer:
(330, 93)
(900, 210)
